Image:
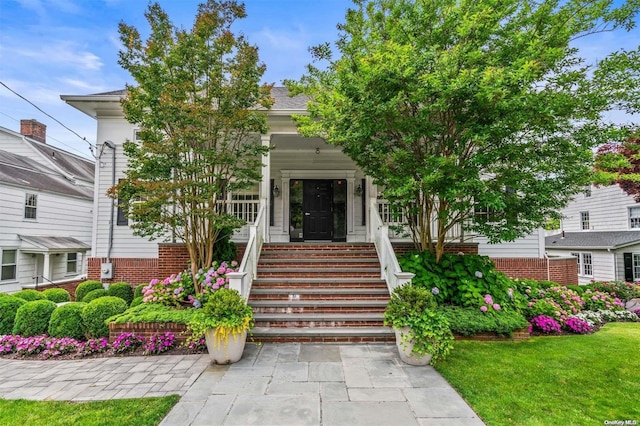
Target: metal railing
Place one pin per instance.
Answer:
(389, 268)
(243, 279)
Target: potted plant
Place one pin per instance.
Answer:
(224, 321)
(422, 333)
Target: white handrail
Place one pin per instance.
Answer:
(389, 268)
(243, 279)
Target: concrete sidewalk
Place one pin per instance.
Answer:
(307, 384)
(273, 384)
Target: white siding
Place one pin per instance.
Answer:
(603, 264)
(13, 143)
(125, 244)
(619, 259)
(528, 246)
(607, 207)
(57, 215)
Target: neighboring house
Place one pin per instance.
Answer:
(601, 228)
(311, 191)
(46, 212)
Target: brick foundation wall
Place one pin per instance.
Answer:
(130, 270)
(172, 258)
(522, 267)
(564, 270)
(148, 329)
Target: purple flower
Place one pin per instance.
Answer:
(435, 291)
(488, 300)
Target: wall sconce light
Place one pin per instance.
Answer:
(317, 150)
(276, 191)
(358, 191)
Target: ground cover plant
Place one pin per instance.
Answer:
(568, 380)
(130, 412)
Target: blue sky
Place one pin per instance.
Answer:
(54, 47)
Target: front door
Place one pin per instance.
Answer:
(317, 209)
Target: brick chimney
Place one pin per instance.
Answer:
(34, 129)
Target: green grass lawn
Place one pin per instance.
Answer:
(551, 380)
(119, 412)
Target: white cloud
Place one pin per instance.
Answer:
(64, 52)
(71, 84)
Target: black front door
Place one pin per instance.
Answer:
(317, 203)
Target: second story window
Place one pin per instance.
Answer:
(30, 206)
(634, 217)
(584, 220)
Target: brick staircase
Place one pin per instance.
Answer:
(319, 292)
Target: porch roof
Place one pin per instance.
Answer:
(42, 244)
(593, 240)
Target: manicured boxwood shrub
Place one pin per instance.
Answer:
(29, 295)
(95, 314)
(94, 294)
(66, 321)
(85, 287)
(137, 292)
(121, 290)
(32, 318)
(470, 321)
(8, 307)
(154, 312)
(136, 301)
(57, 295)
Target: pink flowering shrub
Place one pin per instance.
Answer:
(545, 324)
(170, 291)
(215, 277)
(489, 305)
(95, 346)
(568, 300)
(577, 325)
(600, 301)
(159, 343)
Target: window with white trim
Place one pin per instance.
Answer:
(636, 266)
(585, 264)
(634, 217)
(8, 270)
(72, 263)
(30, 206)
(584, 220)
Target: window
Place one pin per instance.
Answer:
(8, 271)
(584, 220)
(636, 266)
(634, 217)
(72, 263)
(121, 215)
(585, 264)
(30, 206)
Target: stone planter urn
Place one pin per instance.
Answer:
(405, 347)
(228, 351)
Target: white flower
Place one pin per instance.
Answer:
(479, 274)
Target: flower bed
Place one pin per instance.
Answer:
(148, 329)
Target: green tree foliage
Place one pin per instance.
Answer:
(466, 107)
(620, 163)
(200, 107)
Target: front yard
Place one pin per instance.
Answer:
(568, 380)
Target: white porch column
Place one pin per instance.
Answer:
(265, 186)
(371, 192)
(351, 188)
(286, 189)
(46, 268)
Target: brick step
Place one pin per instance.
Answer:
(318, 246)
(319, 263)
(315, 293)
(302, 282)
(324, 334)
(318, 306)
(324, 254)
(367, 319)
(325, 273)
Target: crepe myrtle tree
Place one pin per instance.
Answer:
(195, 99)
(458, 107)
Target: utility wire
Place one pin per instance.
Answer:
(49, 115)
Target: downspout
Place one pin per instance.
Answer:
(113, 183)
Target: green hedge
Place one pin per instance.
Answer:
(85, 287)
(154, 312)
(95, 314)
(8, 307)
(66, 321)
(29, 295)
(470, 321)
(94, 294)
(138, 290)
(32, 318)
(57, 295)
(121, 290)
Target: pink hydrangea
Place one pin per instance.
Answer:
(483, 308)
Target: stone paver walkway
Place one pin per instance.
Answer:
(273, 384)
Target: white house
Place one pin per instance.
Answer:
(311, 191)
(46, 210)
(601, 228)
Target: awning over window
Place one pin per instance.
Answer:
(38, 244)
